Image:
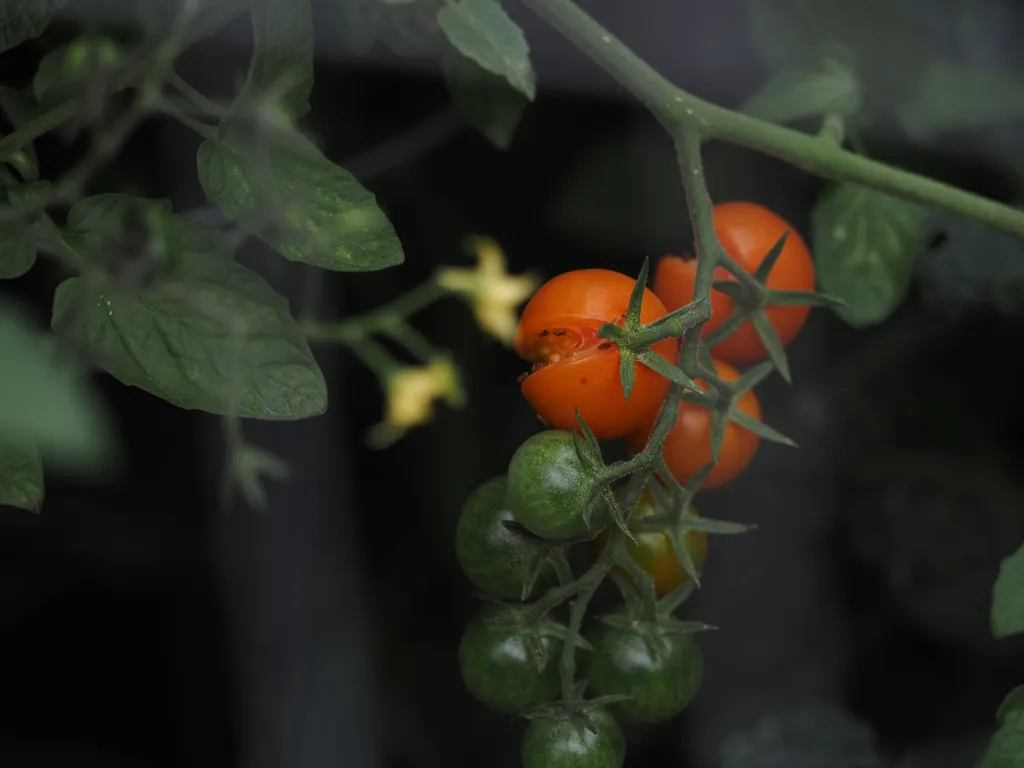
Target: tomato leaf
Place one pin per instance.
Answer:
(21, 475)
(1007, 615)
(864, 244)
(487, 102)
(209, 335)
(17, 249)
(326, 218)
(80, 64)
(282, 62)
(407, 29)
(483, 32)
(953, 98)
(772, 344)
(876, 40)
(1006, 748)
(45, 403)
(22, 20)
(791, 95)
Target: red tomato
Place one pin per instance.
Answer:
(687, 447)
(747, 231)
(572, 367)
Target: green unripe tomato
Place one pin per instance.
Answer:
(662, 677)
(548, 488)
(498, 667)
(494, 558)
(567, 743)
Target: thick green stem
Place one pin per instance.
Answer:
(567, 664)
(820, 155)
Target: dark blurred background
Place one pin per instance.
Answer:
(141, 625)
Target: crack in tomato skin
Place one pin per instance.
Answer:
(574, 372)
(554, 345)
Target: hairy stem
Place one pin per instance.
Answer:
(567, 664)
(819, 155)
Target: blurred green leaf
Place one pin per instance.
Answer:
(71, 67)
(876, 39)
(17, 248)
(1008, 596)
(106, 211)
(483, 32)
(44, 402)
(796, 94)
(17, 254)
(208, 334)
(282, 60)
(486, 101)
(953, 98)
(1006, 749)
(864, 244)
(21, 475)
(18, 108)
(406, 28)
(22, 20)
(324, 217)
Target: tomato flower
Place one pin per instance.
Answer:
(493, 292)
(412, 392)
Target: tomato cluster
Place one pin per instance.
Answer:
(516, 530)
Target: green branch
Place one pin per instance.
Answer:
(819, 155)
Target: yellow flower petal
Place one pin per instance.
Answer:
(494, 294)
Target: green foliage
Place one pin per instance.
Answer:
(405, 28)
(1006, 749)
(483, 32)
(325, 217)
(18, 107)
(864, 244)
(952, 98)
(17, 250)
(1008, 596)
(487, 102)
(21, 475)
(901, 77)
(44, 402)
(206, 333)
(22, 20)
(73, 67)
(831, 88)
(281, 70)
